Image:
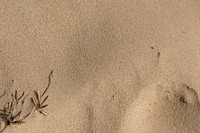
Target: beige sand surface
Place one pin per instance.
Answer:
(168, 107)
(103, 53)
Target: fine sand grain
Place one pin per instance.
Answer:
(123, 66)
(167, 107)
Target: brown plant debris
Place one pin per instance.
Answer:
(39, 100)
(11, 112)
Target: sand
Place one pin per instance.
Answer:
(165, 106)
(113, 62)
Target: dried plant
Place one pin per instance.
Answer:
(39, 100)
(10, 114)
(16, 98)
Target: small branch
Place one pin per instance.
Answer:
(11, 112)
(39, 101)
(49, 83)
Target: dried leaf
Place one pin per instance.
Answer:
(17, 115)
(44, 106)
(20, 96)
(32, 100)
(44, 100)
(37, 95)
(15, 94)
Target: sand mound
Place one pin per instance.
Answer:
(164, 107)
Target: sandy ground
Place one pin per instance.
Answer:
(111, 59)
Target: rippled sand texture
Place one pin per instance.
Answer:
(105, 55)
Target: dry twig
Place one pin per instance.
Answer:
(39, 101)
(10, 114)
